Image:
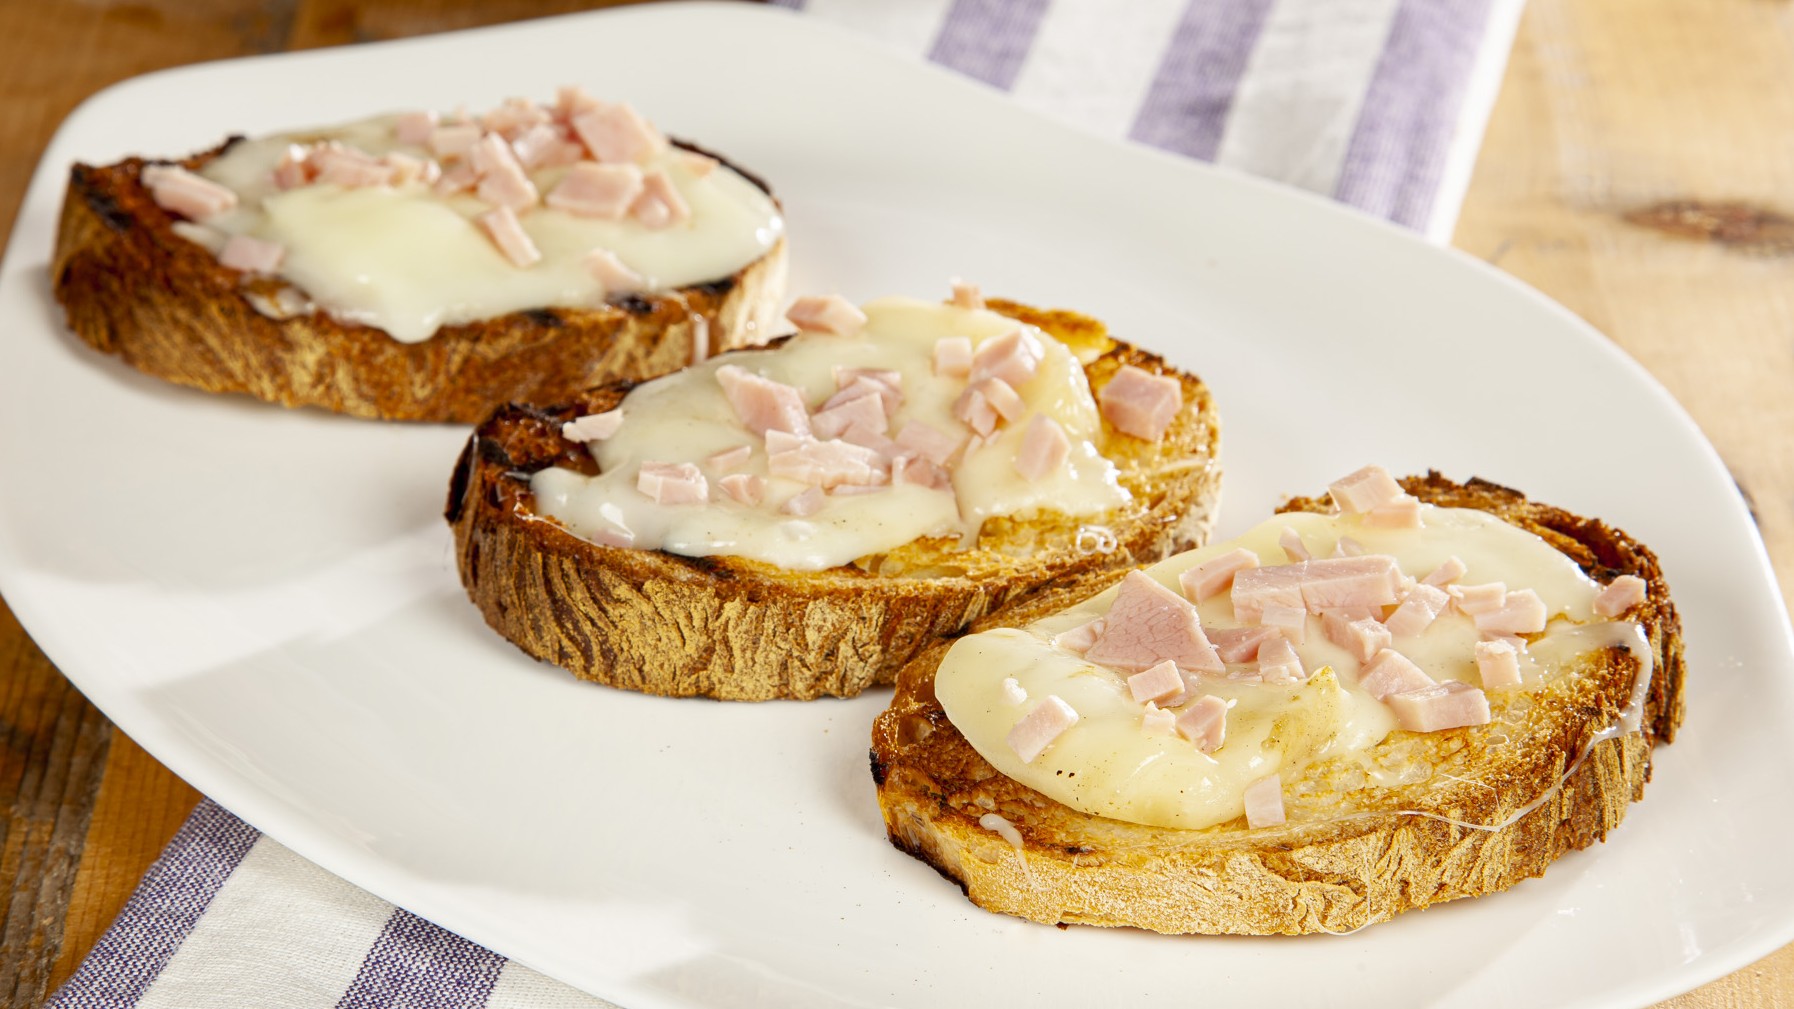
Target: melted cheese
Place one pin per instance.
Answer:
(1108, 765)
(685, 418)
(408, 261)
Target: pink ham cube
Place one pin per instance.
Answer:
(1139, 403)
(1148, 624)
(1037, 730)
(1448, 705)
(1216, 574)
(1620, 595)
(1204, 722)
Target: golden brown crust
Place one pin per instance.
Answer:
(1376, 852)
(737, 629)
(132, 287)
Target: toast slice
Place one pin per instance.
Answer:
(738, 629)
(133, 286)
(1441, 815)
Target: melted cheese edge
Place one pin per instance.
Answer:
(409, 262)
(1107, 765)
(685, 417)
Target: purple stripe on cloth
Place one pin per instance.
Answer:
(988, 39)
(166, 905)
(417, 965)
(1186, 107)
(1397, 153)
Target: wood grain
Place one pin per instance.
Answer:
(1639, 168)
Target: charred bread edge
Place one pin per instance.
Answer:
(133, 288)
(1332, 876)
(602, 612)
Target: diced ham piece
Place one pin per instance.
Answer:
(1157, 720)
(179, 191)
(348, 167)
(1240, 644)
(729, 459)
(966, 295)
(593, 426)
(1620, 595)
(747, 488)
(914, 469)
(1216, 574)
(547, 147)
(1204, 722)
(1080, 638)
(1147, 624)
(1478, 599)
(514, 117)
(826, 314)
(407, 169)
(827, 464)
(1390, 672)
(1363, 637)
(1348, 547)
(866, 414)
(1264, 802)
(615, 132)
(1001, 396)
(953, 356)
(1365, 489)
(1522, 612)
(1278, 661)
(853, 382)
(503, 182)
(501, 225)
(1291, 542)
(660, 204)
(805, 504)
(1292, 621)
(1156, 683)
(976, 411)
(612, 275)
(593, 190)
(1449, 571)
(762, 404)
(1498, 663)
(1045, 448)
(1013, 691)
(1402, 513)
(569, 101)
(1321, 584)
(1419, 608)
(294, 169)
(1139, 403)
(673, 483)
(414, 127)
(1040, 726)
(453, 141)
(456, 178)
(925, 440)
(252, 255)
(1448, 705)
(1013, 357)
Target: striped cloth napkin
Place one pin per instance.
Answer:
(1377, 103)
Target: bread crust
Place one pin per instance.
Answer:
(131, 287)
(1389, 850)
(737, 629)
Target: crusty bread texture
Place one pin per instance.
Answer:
(1353, 853)
(130, 286)
(737, 629)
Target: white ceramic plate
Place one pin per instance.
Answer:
(265, 598)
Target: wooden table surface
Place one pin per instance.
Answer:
(1639, 168)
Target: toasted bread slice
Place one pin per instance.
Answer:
(131, 286)
(1353, 853)
(738, 629)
